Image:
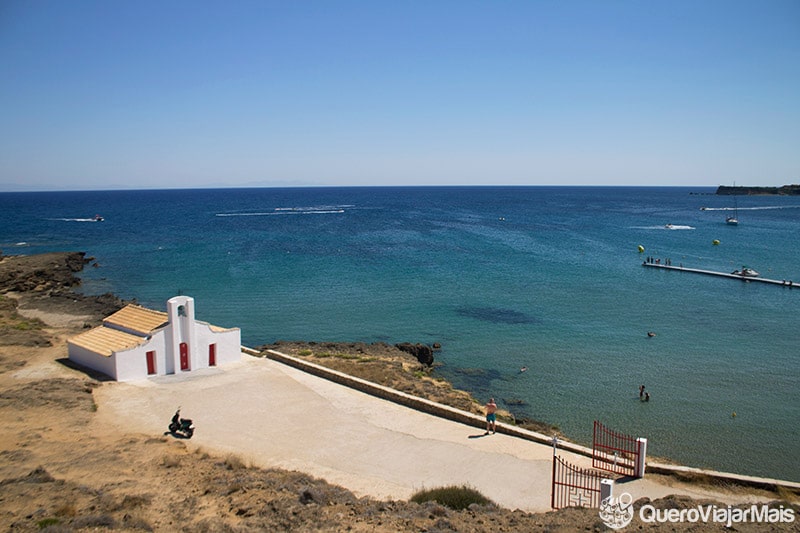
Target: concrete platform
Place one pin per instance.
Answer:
(274, 415)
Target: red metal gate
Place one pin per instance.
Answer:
(614, 451)
(574, 486)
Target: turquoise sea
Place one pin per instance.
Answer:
(547, 278)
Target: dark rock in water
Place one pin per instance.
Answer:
(472, 372)
(436, 346)
(422, 352)
(514, 401)
(497, 315)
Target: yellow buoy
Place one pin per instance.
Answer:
(641, 248)
(733, 415)
(715, 242)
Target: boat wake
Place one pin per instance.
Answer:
(74, 219)
(671, 227)
(760, 208)
(278, 211)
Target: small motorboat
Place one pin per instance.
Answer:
(98, 218)
(746, 272)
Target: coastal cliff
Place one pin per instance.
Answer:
(785, 190)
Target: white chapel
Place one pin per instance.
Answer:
(136, 343)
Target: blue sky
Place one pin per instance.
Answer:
(149, 94)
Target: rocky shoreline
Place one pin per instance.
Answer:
(63, 471)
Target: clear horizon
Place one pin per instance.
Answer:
(107, 95)
(278, 187)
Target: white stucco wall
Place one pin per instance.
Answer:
(132, 364)
(84, 357)
(229, 344)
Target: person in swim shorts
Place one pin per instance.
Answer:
(491, 417)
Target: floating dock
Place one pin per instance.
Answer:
(783, 283)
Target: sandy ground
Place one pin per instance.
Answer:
(278, 416)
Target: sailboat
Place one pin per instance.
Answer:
(733, 220)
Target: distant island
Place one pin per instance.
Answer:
(786, 190)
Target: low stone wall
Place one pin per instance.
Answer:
(473, 420)
(250, 351)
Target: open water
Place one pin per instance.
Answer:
(547, 278)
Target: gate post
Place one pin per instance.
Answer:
(606, 489)
(640, 457)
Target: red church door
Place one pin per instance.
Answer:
(212, 355)
(151, 363)
(184, 356)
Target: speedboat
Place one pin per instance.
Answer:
(98, 218)
(746, 272)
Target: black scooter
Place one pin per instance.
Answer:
(181, 427)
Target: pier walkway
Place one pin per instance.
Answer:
(784, 283)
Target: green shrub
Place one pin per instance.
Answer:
(28, 325)
(45, 522)
(456, 498)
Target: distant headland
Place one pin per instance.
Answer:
(786, 190)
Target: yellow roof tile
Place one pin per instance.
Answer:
(105, 341)
(139, 319)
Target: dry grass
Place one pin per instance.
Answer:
(10, 319)
(234, 462)
(65, 510)
(788, 495)
(171, 461)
